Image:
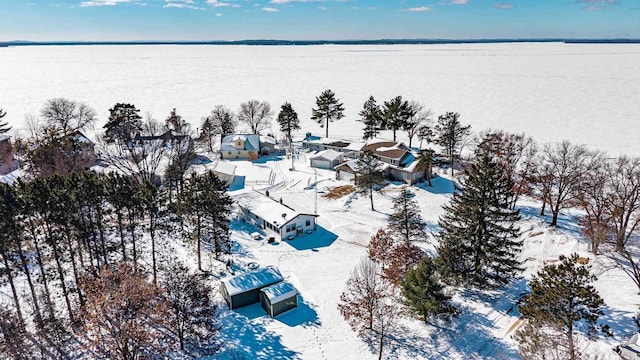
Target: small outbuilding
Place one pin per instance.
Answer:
(244, 289)
(278, 298)
(630, 349)
(327, 159)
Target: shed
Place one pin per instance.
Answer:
(630, 349)
(326, 159)
(278, 298)
(244, 289)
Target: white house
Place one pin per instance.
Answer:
(274, 217)
(327, 159)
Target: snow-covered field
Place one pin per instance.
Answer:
(554, 91)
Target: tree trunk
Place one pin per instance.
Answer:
(25, 269)
(16, 300)
(570, 345)
(327, 129)
(43, 273)
(198, 235)
(101, 233)
(65, 292)
(370, 196)
(73, 265)
(381, 345)
(121, 230)
(132, 229)
(152, 233)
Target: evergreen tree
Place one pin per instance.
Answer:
(123, 124)
(425, 294)
(4, 126)
(450, 134)
(371, 117)
(479, 242)
(425, 163)
(289, 122)
(406, 221)
(561, 299)
(369, 174)
(425, 133)
(396, 112)
(328, 109)
(176, 123)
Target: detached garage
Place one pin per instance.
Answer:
(243, 290)
(326, 159)
(278, 298)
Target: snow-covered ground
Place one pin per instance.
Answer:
(319, 265)
(551, 91)
(584, 93)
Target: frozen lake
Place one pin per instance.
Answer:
(588, 94)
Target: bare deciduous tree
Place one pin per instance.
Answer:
(256, 114)
(368, 305)
(560, 174)
(67, 115)
(124, 314)
(624, 200)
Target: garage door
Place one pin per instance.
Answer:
(322, 164)
(345, 176)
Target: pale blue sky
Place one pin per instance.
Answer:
(101, 20)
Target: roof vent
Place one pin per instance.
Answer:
(284, 215)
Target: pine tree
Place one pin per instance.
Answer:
(396, 112)
(450, 135)
(561, 298)
(425, 163)
(176, 123)
(425, 294)
(479, 242)
(371, 117)
(4, 126)
(368, 174)
(328, 109)
(123, 123)
(406, 221)
(289, 122)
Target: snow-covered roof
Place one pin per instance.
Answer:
(386, 148)
(225, 167)
(251, 142)
(252, 280)
(11, 177)
(280, 291)
(266, 208)
(328, 154)
(4, 137)
(352, 166)
(267, 140)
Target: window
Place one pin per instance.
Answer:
(308, 222)
(404, 175)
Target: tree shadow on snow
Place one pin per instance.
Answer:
(246, 337)
(439, 185)
(319, 238)
(469, 337)
(566, 220)
(621, 322)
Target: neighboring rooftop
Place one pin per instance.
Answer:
(251, 142)
(328, 154)
(225, 167)
(252, 280)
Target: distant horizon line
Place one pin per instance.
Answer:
(326, 42)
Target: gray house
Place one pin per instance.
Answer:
(631, 348)
(278, 298)
(244, 289)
